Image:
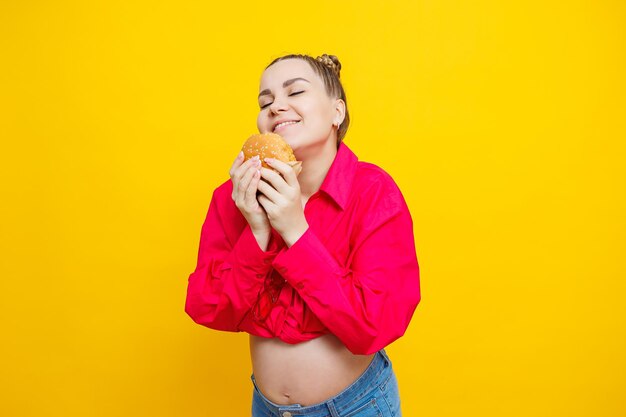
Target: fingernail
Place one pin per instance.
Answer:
(240, 155)
(269, 160)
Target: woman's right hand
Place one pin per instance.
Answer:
(245, 180)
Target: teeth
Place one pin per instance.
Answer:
(284, 124)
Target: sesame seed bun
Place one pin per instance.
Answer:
(270, 145)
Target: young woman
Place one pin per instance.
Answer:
(320, 268)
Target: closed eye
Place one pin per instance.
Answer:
(292, 94)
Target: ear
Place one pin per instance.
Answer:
(339, 111)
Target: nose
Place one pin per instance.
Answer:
(278, 105)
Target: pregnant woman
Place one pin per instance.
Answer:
(320, 268)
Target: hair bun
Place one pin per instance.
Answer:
(331, 61)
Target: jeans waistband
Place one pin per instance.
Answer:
(362, 386)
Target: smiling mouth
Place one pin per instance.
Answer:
(281, 126)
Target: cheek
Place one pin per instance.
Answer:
(316, 114)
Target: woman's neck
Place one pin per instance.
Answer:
(315, 167)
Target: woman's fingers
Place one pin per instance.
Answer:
(274, 179)
(243, 185)
(250, 196)
(241, 170)
(267, 204)
(236, 164)
(238, 174)
(267, 189)
(286, 171)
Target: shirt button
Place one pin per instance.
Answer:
(286, 414)
(300, 285)
(268, 261)
(260, 275)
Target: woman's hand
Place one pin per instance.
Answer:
(282, 200)
(246, 178)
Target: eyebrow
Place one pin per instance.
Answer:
(285, 84)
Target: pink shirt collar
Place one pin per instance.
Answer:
(340, 176)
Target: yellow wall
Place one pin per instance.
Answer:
(502, 122)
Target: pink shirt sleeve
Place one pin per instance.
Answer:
(227, 278)
(369, 303)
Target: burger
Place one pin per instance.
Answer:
(270, 145)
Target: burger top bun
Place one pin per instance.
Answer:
(270, 145)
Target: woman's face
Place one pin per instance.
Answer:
(292, 92)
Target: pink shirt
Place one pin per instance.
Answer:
(353, 273)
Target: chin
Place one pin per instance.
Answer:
(290, 139)
(299, 141)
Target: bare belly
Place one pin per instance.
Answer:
(305, 373)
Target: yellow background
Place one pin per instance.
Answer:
(502, 122)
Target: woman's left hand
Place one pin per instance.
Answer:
(282, 200)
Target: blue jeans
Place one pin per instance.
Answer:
(374, 393)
